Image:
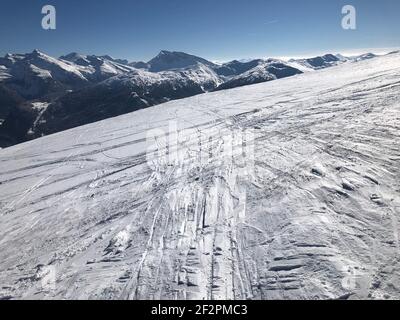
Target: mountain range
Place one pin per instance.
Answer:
(41, 95)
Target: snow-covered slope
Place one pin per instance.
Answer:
(4, 73)
(156, 204)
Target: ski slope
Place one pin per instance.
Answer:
(282, 190)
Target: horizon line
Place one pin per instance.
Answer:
(344, 52)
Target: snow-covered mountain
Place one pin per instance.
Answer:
(98, 68)
(362, 57)
(326, 61)
(235, 67)
(167, 60)
(320, 62)
(264, 71)
(36, 75)
(287, 189)
(78, 89)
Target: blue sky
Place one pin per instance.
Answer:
(217, 30)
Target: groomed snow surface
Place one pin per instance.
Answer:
(281, 190)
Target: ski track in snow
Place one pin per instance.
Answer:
(313, 213)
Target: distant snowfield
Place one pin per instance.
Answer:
(305, 206)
